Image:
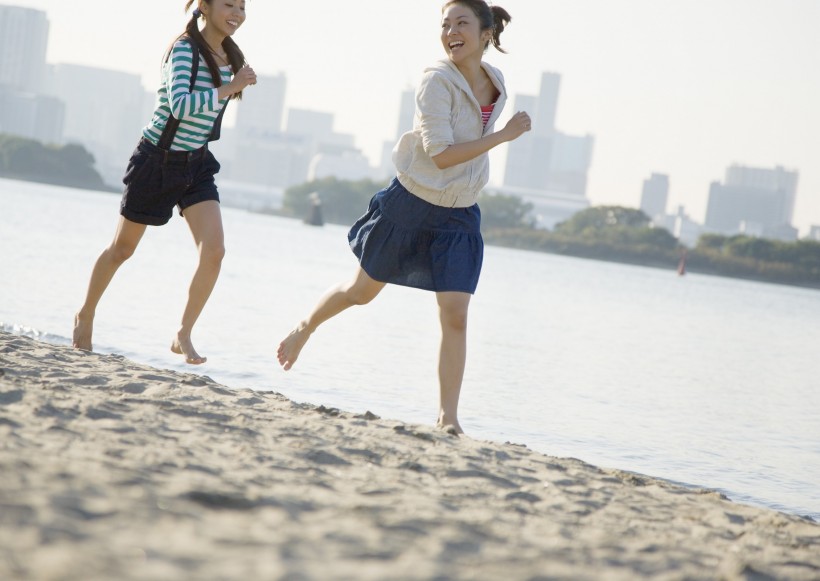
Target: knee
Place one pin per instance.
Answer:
(212, 253)
(119, 253)
(454, 320)
(358, 297)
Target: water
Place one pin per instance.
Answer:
(704, 381)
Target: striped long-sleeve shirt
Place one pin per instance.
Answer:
(197, 111)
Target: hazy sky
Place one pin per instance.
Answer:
(682, 88)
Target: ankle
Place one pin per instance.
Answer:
(84, 315)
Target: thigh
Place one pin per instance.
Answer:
(128, 235)
(202, 186)
(147, 198)
(364, 288)
(453, 304)
(205, 221)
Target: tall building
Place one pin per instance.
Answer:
(24, 109)
(266, 156)
(546, 108)
(520, 170)
(262, 108)
(407, 114)
(753, 201)
(545, 166)
(31, 115)
(23, 43)
(680, 225)
(107, 120)
(317, 124)
(654, 195)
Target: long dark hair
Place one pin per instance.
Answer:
(235, 56)
(493, 18)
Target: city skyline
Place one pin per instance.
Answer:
(685, 91)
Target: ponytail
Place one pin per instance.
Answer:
(492, 18)
(501, 18)
(235, 56)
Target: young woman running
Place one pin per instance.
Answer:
(423, 229)
(172, 166)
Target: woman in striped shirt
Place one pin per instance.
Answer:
(172, 166)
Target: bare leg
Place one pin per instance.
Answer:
(205, 221)
(360, 291)
(126, 239)
(453, 308)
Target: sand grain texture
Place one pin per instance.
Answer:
(114, 470)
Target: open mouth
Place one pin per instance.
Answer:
(233, 23)
(456, 44)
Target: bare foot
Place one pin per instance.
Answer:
(291, 346)
(83, 328)
(183, 346)
(449, 426)
(450, 429)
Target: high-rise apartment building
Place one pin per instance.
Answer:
(546, 167)
(407, 114)
(654, 195)
(107, 120)
(24, 109)
(546, 108)
(754, 201)
(546, 159)
(262, 108)
(23, 43)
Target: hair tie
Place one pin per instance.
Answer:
(197, 13)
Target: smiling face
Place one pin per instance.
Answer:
(461, 34)
(223, 16)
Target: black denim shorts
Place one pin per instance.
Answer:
(157, 180)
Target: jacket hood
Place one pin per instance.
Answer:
(450, 70)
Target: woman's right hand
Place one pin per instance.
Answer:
(244, 77)
(517, 125)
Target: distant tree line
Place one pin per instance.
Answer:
(621, 234)
(66, 165)
(612, 233)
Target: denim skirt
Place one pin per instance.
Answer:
(405, 240)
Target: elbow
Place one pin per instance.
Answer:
(441, 159)
(440, 163)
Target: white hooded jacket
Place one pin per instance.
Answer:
(447, 113)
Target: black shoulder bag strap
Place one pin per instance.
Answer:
(170, 131)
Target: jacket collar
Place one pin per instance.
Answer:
(450, 70)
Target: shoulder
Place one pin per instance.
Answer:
(182, 47)
(440, 72)
(436, 80)
(493, 71)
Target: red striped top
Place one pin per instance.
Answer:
(486, 111)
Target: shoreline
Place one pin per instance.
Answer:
(114, 469)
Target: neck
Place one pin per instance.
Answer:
(470, 70)
(214, 39)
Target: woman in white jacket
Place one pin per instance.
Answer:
(423, 230)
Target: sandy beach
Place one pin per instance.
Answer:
(114, 470)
